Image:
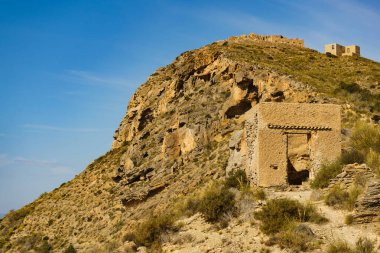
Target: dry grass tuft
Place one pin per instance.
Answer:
(278, 213)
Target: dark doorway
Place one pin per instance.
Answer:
(298, 157)
(296, 177)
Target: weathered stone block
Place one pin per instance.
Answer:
(291, 141)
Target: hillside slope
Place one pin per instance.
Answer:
(174, 137)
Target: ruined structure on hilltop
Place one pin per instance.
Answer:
(339, 50)
(286, 143)
(268, 38)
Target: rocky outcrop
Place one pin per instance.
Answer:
(180, 129)
(352, 174)
(367, 206)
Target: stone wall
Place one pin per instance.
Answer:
(339, 50)
(269, 128)
(268, 38)
(352, 50)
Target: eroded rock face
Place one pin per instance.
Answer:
(367, 206)
(174, 137)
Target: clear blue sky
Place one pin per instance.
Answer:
(68, 68)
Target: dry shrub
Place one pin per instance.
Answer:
(360, 179)
(259, 193)
(349, 219)
(366, 140)
(236, 179)
(352, 155)
(70, 249)
(336, 197)
(365, 147)
(338, 247)
(343, 199)
(373, 161)
(278, 213)
(215, 202)
(149, 232)
(296, 238)
(363, 245)
(365, 137)
(325, 173)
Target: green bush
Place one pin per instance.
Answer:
(277, 214)
(365, 137)
(373, 161)
(236, 179)
(259, 194)
(351, 156)
(149, 232)
(45, 247)
(349, 219)
(349, 87)
(70, 249)
(215, 202)
(325, 173)
(2, 242)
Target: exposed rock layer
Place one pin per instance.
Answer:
(175, 137)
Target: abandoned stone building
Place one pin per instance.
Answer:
(286, 143)
(339, 50)
(277, 39)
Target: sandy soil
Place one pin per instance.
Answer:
(243, 235)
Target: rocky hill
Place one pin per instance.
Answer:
(174, 138)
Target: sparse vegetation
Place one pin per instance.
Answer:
(279, 218)
(373, 161)
(11, 222)
(326, 172)
(258, 193)
(277, 214)
(237, 179)
(363, 245)
(365, 147)
(45, 247)
(349, 219)
(351, 156)
(70, 249)
(149, 232)
(366, 140)
(338, 247)
(216, 201)
(365, 137)
(294, 239)
(344, 199)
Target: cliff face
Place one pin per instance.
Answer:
(175, 137)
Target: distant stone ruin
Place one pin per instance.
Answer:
(339, 50)
(286, 143)
(268, 38)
